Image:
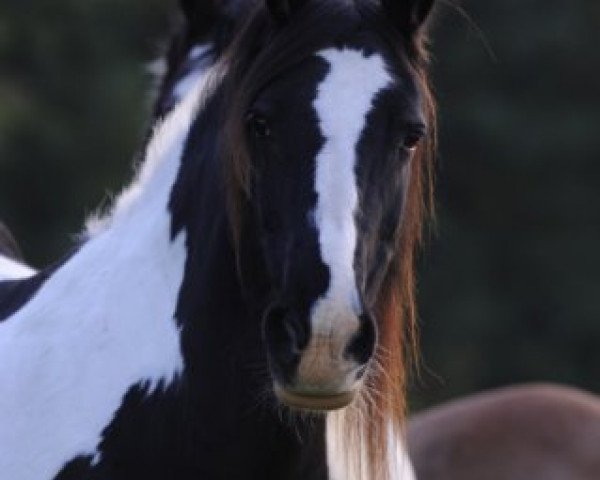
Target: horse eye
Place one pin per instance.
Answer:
(258, 125)
(411, 141)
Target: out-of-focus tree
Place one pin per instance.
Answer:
(510, 287)
(73, 103)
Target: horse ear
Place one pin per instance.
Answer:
(282, 10)
(410, 15)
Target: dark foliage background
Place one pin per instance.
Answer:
(510, 281)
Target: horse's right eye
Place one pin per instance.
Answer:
(258, 125)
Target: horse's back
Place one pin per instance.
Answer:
(518, 433)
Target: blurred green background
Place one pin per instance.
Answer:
(510, 281)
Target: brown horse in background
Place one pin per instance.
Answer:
(530, 432)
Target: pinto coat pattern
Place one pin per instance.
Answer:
(254, 277)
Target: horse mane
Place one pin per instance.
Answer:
(259, 53)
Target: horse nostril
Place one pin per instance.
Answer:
(362, 345)
(286, 337)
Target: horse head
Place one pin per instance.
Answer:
(325, 126)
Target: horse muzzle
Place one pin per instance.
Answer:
(317, 368)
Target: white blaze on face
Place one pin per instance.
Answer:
(344, 99)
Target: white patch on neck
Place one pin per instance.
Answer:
(13, 270)
(344, 99)
(101, 324)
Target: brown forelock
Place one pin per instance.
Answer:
(381, 405)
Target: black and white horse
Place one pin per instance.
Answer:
(258, 267)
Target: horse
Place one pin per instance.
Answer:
(245, 309)
(11, 258)
(522, 432)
